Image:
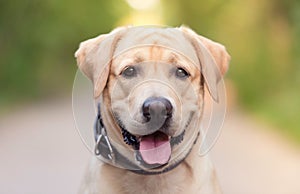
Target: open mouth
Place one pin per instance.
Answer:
(153, 149)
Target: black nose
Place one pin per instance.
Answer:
(157, 108)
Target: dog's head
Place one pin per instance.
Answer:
(150, 82)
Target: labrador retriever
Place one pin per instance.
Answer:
(149, 84)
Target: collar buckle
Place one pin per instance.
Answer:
(103, 146)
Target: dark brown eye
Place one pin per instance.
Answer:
(129, 72)
(181, 73)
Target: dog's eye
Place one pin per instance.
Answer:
(129, 72)
(181, 73)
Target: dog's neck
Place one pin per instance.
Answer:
(193, 168)
(123, 181)
(109, 153)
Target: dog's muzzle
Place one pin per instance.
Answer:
(152, 151)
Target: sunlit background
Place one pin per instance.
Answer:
(37, 67)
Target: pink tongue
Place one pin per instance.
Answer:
(155, 148)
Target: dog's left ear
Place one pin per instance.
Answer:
(213, 59)
(94, 58)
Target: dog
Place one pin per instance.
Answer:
(149, 83)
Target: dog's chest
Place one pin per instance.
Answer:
(149, 184)
(173, 182)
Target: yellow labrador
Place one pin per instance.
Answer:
(149, 83)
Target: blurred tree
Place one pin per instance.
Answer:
(38, 39)
(263, 39)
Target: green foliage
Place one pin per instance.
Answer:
(263, 39)
(38, 39)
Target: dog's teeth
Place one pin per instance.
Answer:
(128, 138)
(132, 139)
(127, 141)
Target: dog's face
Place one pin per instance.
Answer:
(151, 82)
(155, 94)
(151, 88)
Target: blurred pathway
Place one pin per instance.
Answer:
(252, 158)
(41, 152)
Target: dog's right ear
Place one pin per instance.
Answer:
(94, 58)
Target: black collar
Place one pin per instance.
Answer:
(110, 154)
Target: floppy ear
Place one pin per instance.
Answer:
(213, 59)
(94, 58)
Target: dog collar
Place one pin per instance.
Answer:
(109, 153)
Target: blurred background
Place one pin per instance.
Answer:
(259, 149)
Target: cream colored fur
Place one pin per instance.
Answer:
(102, 59)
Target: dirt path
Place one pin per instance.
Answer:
(41, 152)
(251, 158)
